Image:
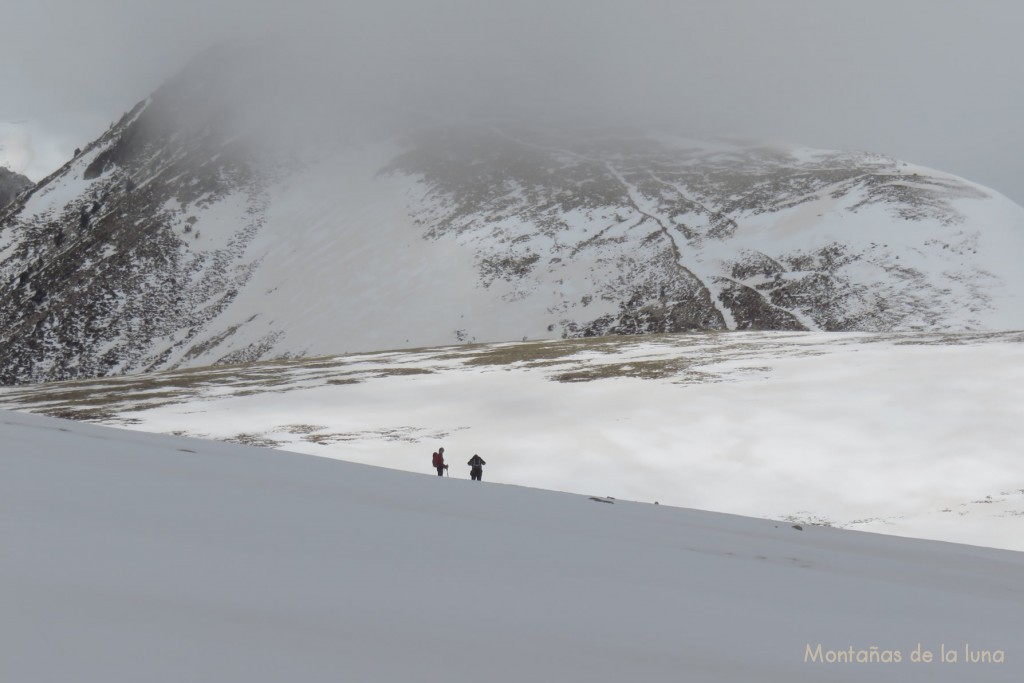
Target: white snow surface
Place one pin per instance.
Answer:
(909, 434)
(338, 262)
(141, 557)
(51, 200)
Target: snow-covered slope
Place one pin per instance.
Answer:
(134, 557)
(201, 228)
(909, 434)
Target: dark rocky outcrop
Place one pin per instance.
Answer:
(11, 185)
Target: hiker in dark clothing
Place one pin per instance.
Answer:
(476, 468)
(439, 462)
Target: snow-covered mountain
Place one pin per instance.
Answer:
(206, 226)
(131, 557)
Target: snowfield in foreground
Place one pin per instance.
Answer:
(141, 557)
(909, 434)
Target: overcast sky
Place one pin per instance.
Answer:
(936, 82)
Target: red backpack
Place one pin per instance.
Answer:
(438, 460)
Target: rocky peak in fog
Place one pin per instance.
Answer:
(212, 223)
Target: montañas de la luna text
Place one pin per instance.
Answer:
(817, 654)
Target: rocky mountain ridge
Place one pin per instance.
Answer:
(11, 185)
(190, 233)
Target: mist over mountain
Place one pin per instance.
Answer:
(275, 201)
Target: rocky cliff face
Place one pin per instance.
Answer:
(192, 233)
(683, 235)
(11, 185)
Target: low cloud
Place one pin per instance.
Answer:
(932, 81)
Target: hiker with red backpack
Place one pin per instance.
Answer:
(439, 462)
